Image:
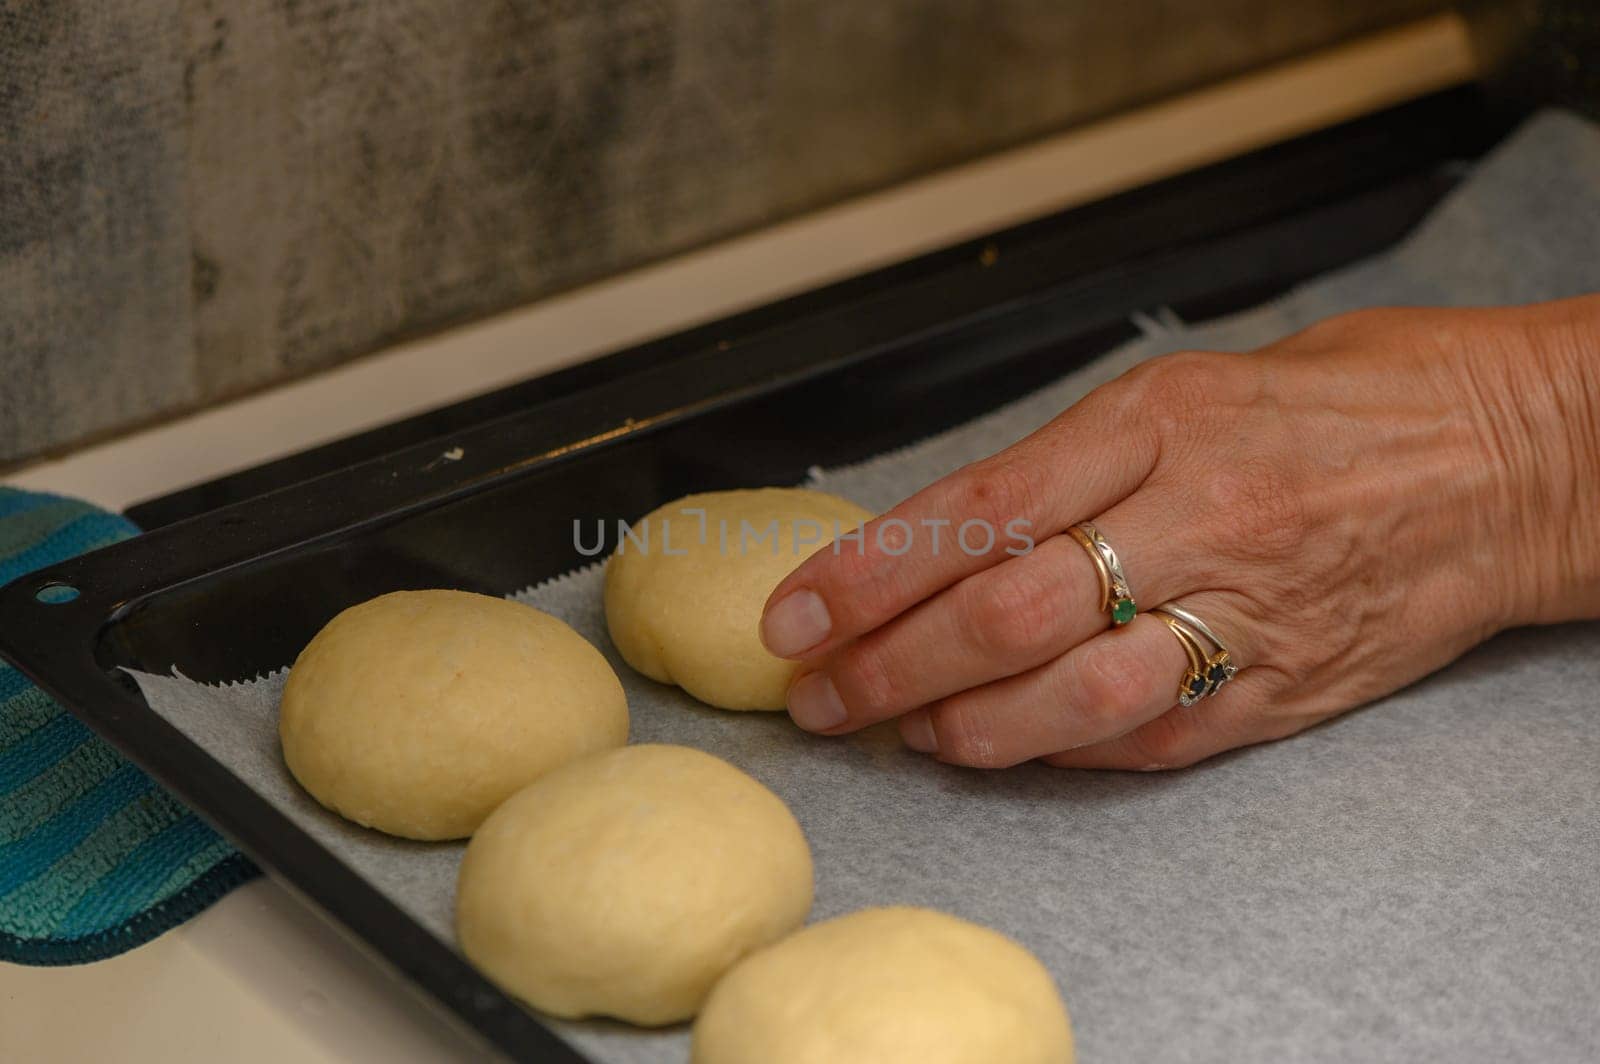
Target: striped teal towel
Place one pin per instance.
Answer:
(95, 858)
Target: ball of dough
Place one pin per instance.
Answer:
(886, 986)
(625, 884)
(418, 712)
(693, 618)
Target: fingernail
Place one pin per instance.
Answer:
(916, 729)
(796, 623)
(814, 703)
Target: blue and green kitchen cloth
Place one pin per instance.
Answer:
(95, 858)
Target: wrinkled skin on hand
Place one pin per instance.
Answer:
(1350, 509)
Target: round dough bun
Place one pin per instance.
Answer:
(886, 986)
(693, 619)
(625, 884)
(418, 712)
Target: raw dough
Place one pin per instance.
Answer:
(625, 884)
(693, 619)
(418, 712)
(886, 986)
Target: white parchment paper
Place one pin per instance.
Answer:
(1418, 880)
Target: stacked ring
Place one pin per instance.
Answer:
(1192, 688)
(1115, 597)
(1215, 667)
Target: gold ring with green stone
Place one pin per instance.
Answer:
(1116, 599)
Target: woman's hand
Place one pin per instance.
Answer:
(1349, 509)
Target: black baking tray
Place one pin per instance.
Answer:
(236, 575)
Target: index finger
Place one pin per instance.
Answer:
(977, 517)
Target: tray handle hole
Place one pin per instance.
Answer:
(55, 593)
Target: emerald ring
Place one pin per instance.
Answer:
(1116, 599)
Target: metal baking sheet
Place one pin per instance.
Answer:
(1395, 884)
(902, 353)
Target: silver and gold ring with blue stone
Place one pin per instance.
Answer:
(1213, 668)
(1116, 600)
(1192, 688)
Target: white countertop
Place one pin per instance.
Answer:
(259, 977)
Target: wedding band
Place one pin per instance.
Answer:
(1115, 597)
(1192, 688)
(1219, 665)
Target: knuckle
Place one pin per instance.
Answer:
(1363, 325)
(1011, 616)
(866, 682)
(1162, 744)
(1115, 683)
(850, 568)
(1341, 327)
(857, 586)
(966, 734)
(994, 491)
(1173, 391)
(1206, 370)
(1330, 331)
